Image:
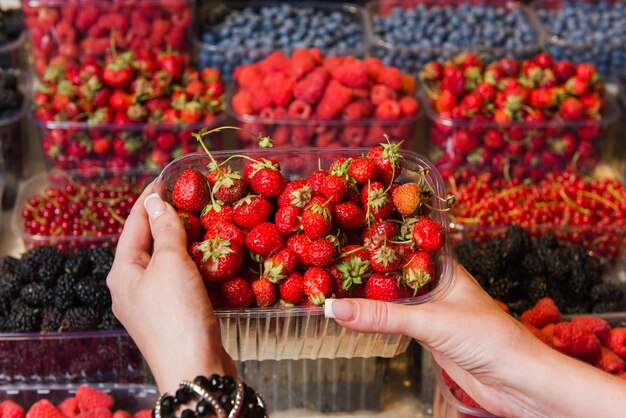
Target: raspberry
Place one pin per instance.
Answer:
(359, 109)
(502, 305)
(330, 63)
(389, 109)
(597, 326)
(311, 88)
(96, 413)
(464, 398)
(260, 97)
(380, 93)
(9, 409)
(302, 62)
(280, 87)
(300, 109)
(144, 413)
(616, 341)
(609, 362)
(543, 313)
(44, 409)
(89, 398)
(574, 341)
(335, 99)
(352, 73)
(69, 407)
(121, 414)
(409, 106)
(622, 376)
(545, 338)
(248, 75)
(390, 76)
(242, 104)
(275, 62)
(374, 67)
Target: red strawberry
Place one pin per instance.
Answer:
(316, 221)
(563, 70)
(251, 211)
(191, 191)
(609, 362)
(571, 109)
(418, 269)
(236, 293)
(616, 341)
(292, 288)
(9, 409)
(387, 159)
(226, 231)
(265, 293)
(428, 234)
(265, 240)
(597, 326)
(348, 215)
(379, 232)
(362, 170)
(385, 287)
(543, 313)
(334, 188)
(288, 220)
(321, 253)
(376, 201)
(316, 180)
(574, 341)
(280, 265)
(318, 285)
(446, 101)
(214, 212)
(296, 193)
(44, 409)
(385, 258)
(217, 259)
(299, 244)
(118, 73)
(354, 266)
(226, 185)
(268, 182)
(193, 226)
(89, 398)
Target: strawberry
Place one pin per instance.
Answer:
(236, 293)
(418, 269)
(264, 240)
(191, 191)
(321, 253)
(268, 181)
(288, 220)
(407, 199)
(384, 258)
(348, 215)
(571, 109)
(378, 232)
(89, 398)
(226, 231)
(316, 221)
(334, 188)
(226, 185)
(292, 288)
(428, 234)
(280, 265)
(44, 409)
(316, 180)
(387, 159)
(318, 285)
(446, 101)
(376, 201)
(214, 212)
(118, 73)
(362, 170)
(296, 193)
(574, 341)
(299, 244)
(216, 258)
(9, 409)
(192, 112)
(251, 211)
(543, 313)
(193, 226)
(385, 287)
(265, 293)
(171, 63)
(353, 266)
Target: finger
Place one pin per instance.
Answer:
(135, 241)
(167, 229)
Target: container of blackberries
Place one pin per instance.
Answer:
(585, 31)
(232, 33)
(12, 38)
(408, 34)
(56, 323)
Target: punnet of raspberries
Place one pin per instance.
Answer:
(69, 32)
(262, 239)
(137, 108)
(514, 118)
(324, 101)
(597, 341)
(86, 402)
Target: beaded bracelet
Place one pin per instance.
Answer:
(223, 397)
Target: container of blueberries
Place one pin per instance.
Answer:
(231, 33)
(409, 33)
(585, 31)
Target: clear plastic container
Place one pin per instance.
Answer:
(84, 31)
(411, 58)
(314, 132)
(76, 357)
(608, 55)
(74, 145)
(521, 158)
(304, 332)
(226, 59)
(36, 186)
(323, 385)
(129, 397)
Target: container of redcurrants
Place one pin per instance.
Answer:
(515, 119)
(268, 283)
(76, 209)
(409, 33)
(78, 33)
(307, 99)
(232, 33)
(585, 31)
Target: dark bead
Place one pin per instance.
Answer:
(153, 413)
(168, 405)
(203, 408)
(256, 412)
(188, 413)
(215, 383)
(249, 395)
(184, 395)
(201, 381)
(226, 402)
(229, 384)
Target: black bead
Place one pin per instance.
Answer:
(229, 384)
(184, 395)
(168, 405)
(201, 381)
(227, 403)
(249, 395)
(203, 408)
(256, 412)
(215, 383)
(188, 413)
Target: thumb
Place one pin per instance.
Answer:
(167, 229)
(366, 315)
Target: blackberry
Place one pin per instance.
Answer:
(12, 23)
(532, 265)
(536, 288)
(8, 81)
(557, 266)
(37, 295)
(65, 292)
(109, 320)
(603, 307)
(8, 265)
(593, 270)
(516, 244)
(495, 247)
(101, 261)
(51, 319)
(78, 263)
(577, 287)
(22, 318)
(606, 292)
(547, 241)
(466, 252)
(79, 319)
(10, 99)
(504, 289)
(93, 294)
(575, 309)
(10, 285)
(46, 263)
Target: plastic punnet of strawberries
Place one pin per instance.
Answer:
(260, 239)
(514, 118)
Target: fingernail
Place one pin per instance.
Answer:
(339, 309)
(154, 206)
